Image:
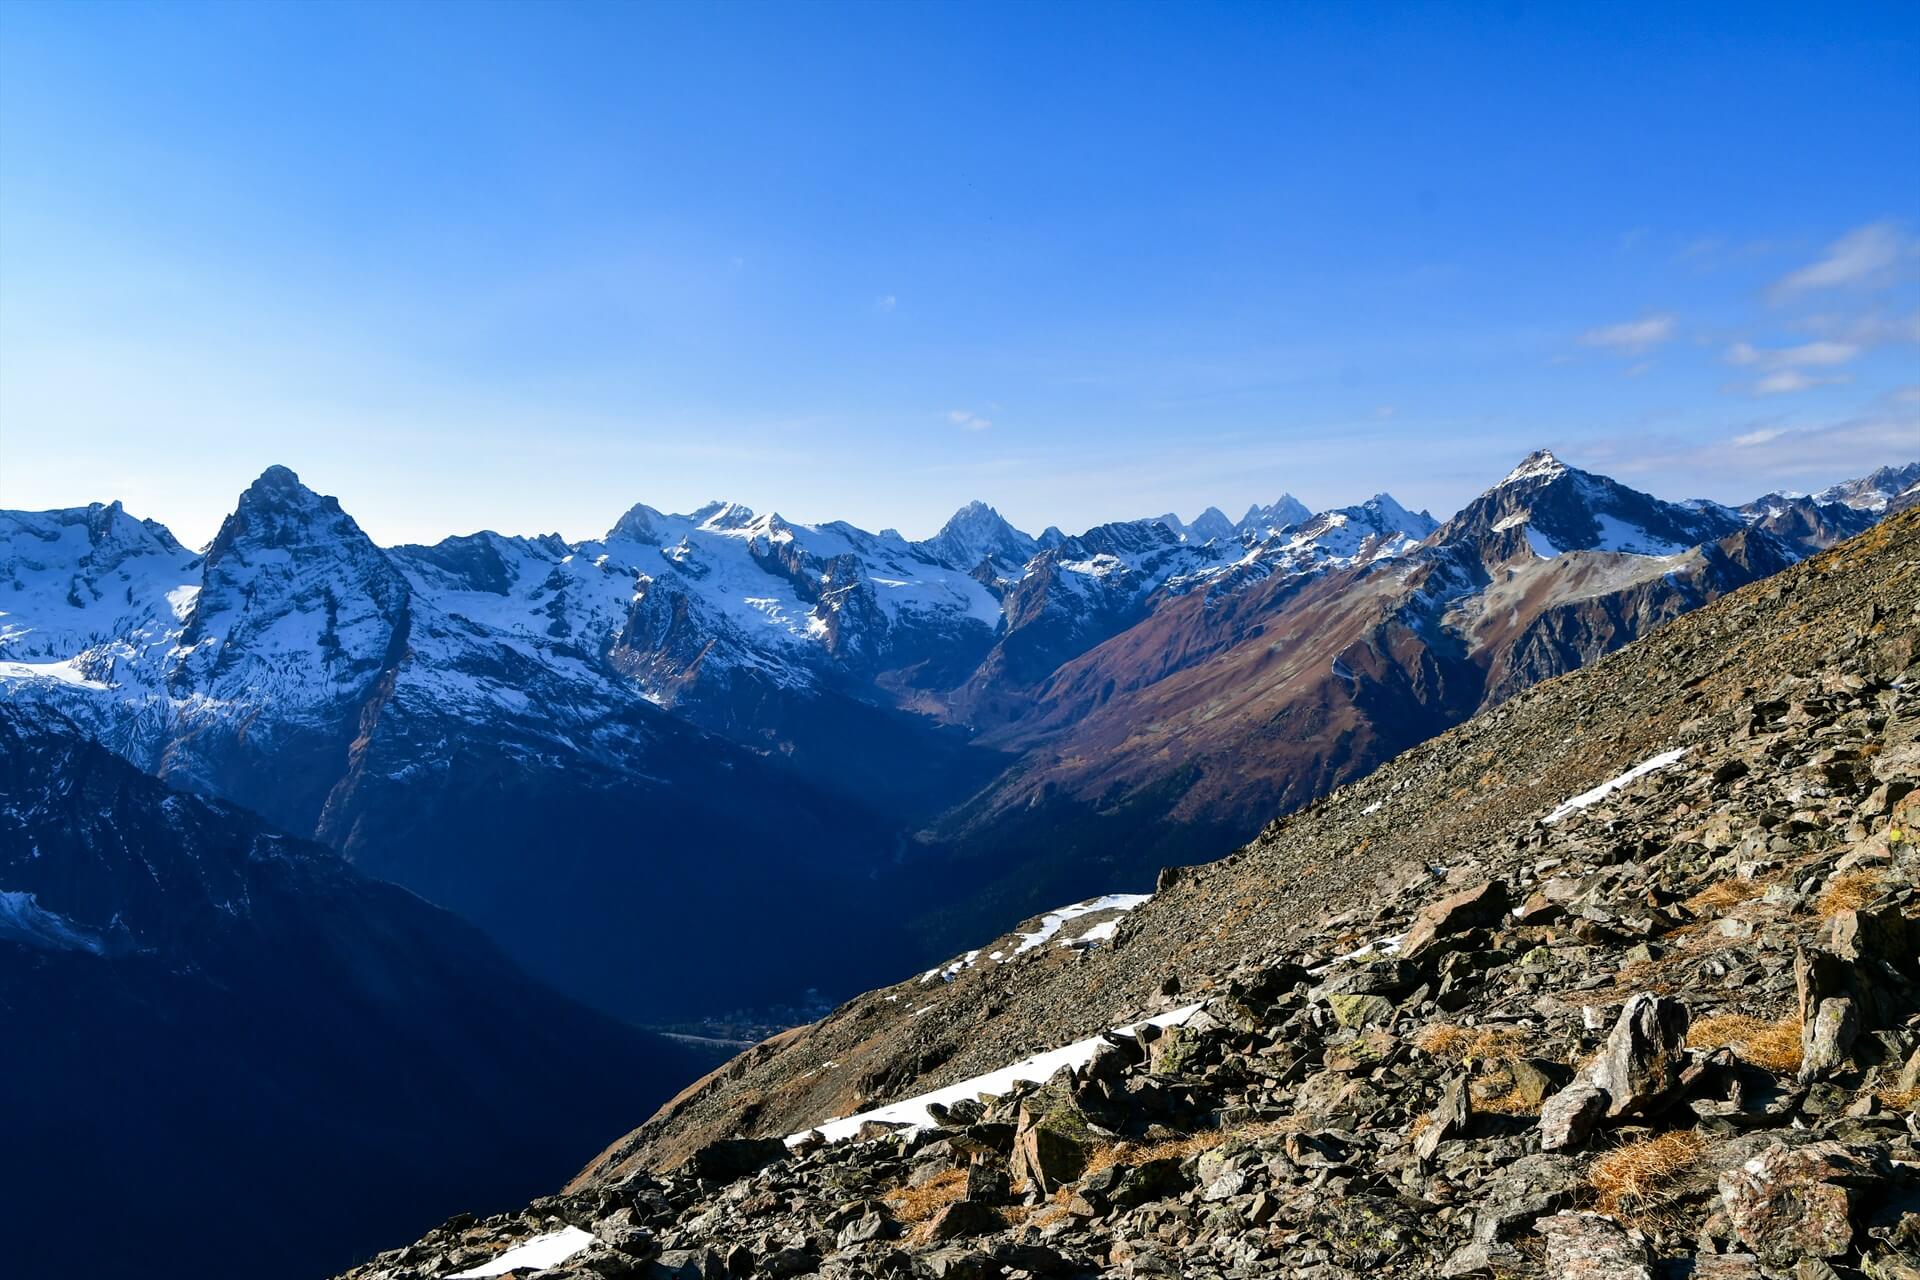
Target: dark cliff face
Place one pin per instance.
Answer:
(227, 1033)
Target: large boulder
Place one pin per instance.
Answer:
(1054, 1140)
(1473, 908)
(732, 1158)
(1790, 1202)
(1640, 1064)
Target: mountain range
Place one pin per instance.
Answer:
(555, 738)
(259, 795)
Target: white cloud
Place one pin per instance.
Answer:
(1865, 257)
(971, 421)
(1806, 355)
(885, 304)
(1754, 439)
(1633, 336)
(1788, 381)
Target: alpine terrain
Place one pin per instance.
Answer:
(1616, 979)
(914, 741)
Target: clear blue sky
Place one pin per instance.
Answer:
(523, 265)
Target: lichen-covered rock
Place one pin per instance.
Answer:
(1589, 1246)
(1794, 1202)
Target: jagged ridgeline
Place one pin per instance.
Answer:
(749, 733)
(1616, 980)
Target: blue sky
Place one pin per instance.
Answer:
(522, 265)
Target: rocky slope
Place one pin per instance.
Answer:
(225, 1032)
(1618, 979)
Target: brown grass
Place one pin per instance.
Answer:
(1894, 1098)
(1849, 891)
(1771, 1046)
(916, 1206)
(1638, 1178)
(1511, 1101)
(1724, 895)
(1450, 1043)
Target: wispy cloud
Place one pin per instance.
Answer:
(969, 420)
(1633, 336)
(1806, 355)
(1787, 381)
(1768, 453)
(885, 303)
(1865, 258)
(1873, 329)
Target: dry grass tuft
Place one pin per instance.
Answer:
(1724, 895)
(1191, 1144)
(1772, 1046)
(1894, 1098)
(1849, 891)
(1639, 1177)
(917, 1205)
(1450, 1043)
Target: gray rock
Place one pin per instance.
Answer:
(1569, 1116)
(1826, 1041)
(1641, 1061)
(1591, 1246)
(1448, 1119)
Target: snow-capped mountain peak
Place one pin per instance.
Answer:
(1265, 522)
(1540, 464)
(1876, 491)
(721, 514)
(1544, 508)
(977, 533)
(641, 523)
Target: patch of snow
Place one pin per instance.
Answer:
(537, 1254)
(1587, 799)
(1617, 535)
(1541, 544)
(1535, 466)
(913, 1111)
(1372, 808)
(62, 672)
(1098, 933)
(25, 920)
(1379, 946)
(1051, 922)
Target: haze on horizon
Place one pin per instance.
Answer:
(520, 266)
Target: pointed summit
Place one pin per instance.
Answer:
(1543, 507)
(977, 532)
(294, 598)
(641, 523)
(1538, 465)
(1264, 522)
(1210, 524)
